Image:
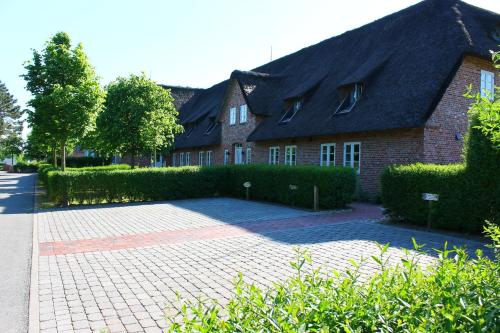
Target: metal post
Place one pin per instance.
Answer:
(316, 198)
(248, 193)
(429, 216)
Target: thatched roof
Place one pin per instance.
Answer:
(405, 61)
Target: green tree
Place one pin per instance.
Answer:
(139, 117)
(66, 94)
(12, 145)
(10, 113)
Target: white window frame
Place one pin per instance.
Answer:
(243, 114)
(181, 159)
(209, 158)
(201, 158)
(288, 155)
(238, 153)
(351, 151)
(248, 156)
(232, 116)
(226, 156)
(329, 147)
(174, 159)
(188, 158)
(487, 84)
(274, 155)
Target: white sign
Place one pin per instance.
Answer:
(430, 197)
(293, 187)
(247, 184)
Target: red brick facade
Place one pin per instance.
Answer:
(439, 141)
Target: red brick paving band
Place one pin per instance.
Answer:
(360, 211)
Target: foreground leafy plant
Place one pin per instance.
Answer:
(457, 294)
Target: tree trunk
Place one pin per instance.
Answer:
(54, 157)
(132, 160)
(63, 156)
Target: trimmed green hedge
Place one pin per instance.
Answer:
(85, 161)
(469, 194)
(26, 167)
(269, 183)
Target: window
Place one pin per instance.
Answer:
(189, 130)
(209, 158)
(181, 159)
(226, 156)
(274, 155)
(243, 113)
(248, 156)
(210, 127)
(353, 95)
(352, 155)
(232, 116)
(238, 153)
(487, 84)
(201, 158)
(174, 159)
(188, 158)
(290, 155)
(294, 107)
(327, 157)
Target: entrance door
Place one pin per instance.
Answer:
(238, 154)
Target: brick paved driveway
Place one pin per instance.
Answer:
(121, 266)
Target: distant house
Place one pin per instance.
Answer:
(388, 92)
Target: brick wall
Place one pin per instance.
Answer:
(446, 128)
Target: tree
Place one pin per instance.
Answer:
(139, 117)
(66, 93)
(12, 145)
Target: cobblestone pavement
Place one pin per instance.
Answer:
(193, 249)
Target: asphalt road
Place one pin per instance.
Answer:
(16, 224)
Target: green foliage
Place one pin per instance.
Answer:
(139, 117)
(270, 183)
(10, 113)
(12, 145)
(85, 161)
(457, 294)
(25, 167)
(66, 93)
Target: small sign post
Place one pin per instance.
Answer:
(430, 197)
(247, 186)
(316, 198)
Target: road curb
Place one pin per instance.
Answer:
(34, 313)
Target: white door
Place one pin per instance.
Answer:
(238, 154)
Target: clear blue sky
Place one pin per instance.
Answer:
(185, 42)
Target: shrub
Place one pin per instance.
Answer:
(102, 168)
(85, 161)
(270, 183)
(456, 294)
(43, 172)
(26, 167)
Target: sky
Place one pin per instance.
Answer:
(183, 42)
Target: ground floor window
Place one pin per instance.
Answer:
(327, 155)
(352, 155)
(248, 157)
(209, 158)
(274, 155)
(290, 155)
(188, 158)
(226, 156)
(238, 153)
(174, 159)
(181, 159)
(201, 158)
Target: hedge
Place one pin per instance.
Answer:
(84, 161)
(26, 167)
(269, 183)
(469, 194)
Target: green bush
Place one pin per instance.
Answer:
(102, 168)
(469, 194)
(85, 161)
(269, 183)
(457, 294)
(26, 167)
(43, 172)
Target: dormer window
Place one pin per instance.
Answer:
(189, 131)
(293, 108)
(210, 128)
(353, 93)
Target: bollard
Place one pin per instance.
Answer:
(316, 198)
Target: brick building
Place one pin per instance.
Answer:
(390, 92)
